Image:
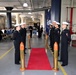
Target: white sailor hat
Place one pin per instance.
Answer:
(50, 24)
(22, 23)
(16, 25)
(54, 21)
(66, 23)
(57, 23)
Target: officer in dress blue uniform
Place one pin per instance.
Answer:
(17, 40)
(23, 34)
(57, 34)
(52, 35)
(39, 32)
(65, 39)
(0, 35)
(30, 29)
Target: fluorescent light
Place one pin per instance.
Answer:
(29, 13)
(31, 16)
(25, 5)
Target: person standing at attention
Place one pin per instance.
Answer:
(23, 35)
(30, 29)
(57, 34)
(65, 39)
(17, 41)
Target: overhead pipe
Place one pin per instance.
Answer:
(31, 3)
(67, 14)
(71, 20)
(71, 17)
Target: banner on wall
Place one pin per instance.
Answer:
(48, 22)
(48, 26)
(47, 19)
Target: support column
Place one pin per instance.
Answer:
(42, 20)
(47, 18)
(17, 19)
(23, 20)
(9, 19)
(56, 10)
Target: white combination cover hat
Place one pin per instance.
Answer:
(57, 23)
(54, 21)
(16, 25)
(22, 23)
(50, 24)
(66, 23)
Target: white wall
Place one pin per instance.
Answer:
(64, 4)
(66, 16)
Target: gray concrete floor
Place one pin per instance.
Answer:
(7, 66)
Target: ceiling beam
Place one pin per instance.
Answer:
(21, 3)
(31, 3)
(35, 10)
(43, 3)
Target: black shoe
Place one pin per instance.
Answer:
(63, 65)
(17, 63)
(59, 60)
(58, 55)
(24, 52)
(25, 48)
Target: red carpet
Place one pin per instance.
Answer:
(38, 60)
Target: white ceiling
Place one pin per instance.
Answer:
(32, 4)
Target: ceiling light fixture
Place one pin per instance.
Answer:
(31, 16)
(25, 5)
(29, 13)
